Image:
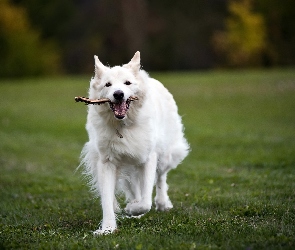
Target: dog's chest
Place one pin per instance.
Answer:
(126, 147)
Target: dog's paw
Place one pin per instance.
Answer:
(105, 231)
(107, 227)
(163, 205)
(137, 208)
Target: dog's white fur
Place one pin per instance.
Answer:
(153, 141)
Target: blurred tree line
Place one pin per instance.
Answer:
(47, 36)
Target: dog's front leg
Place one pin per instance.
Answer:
(148, 173)
(106, 182)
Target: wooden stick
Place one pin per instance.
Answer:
(99, 101)
(133, 98)
(91, 101)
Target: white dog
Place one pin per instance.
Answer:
(132, 145)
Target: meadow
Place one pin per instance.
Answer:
(236, 189)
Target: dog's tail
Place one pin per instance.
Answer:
(88, 161)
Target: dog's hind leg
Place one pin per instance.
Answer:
(162, 200)
(166, 162)
(147, 180)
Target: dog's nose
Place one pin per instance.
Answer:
(118, 95)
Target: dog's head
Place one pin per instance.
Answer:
(119, 84)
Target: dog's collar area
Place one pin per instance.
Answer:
(120, 125)
(118, 134)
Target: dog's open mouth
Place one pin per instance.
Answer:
(120, 108)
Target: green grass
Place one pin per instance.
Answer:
(236, 189)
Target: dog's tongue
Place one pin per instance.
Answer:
(120, 109)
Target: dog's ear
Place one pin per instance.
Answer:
(99, 68)
(134, 64)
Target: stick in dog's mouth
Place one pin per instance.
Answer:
(119, 108)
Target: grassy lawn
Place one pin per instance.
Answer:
(236, 189)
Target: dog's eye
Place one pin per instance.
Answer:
(127, 83)
(108, 84)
